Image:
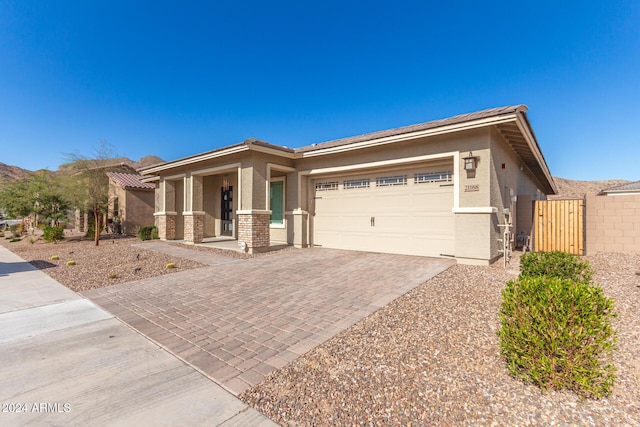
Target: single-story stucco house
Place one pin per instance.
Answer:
(443, 188)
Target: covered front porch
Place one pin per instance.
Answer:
(244, 205)
(200, 205)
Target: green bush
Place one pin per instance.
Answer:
(52, 234)
(557, 334)
(154, 233)
(555, 264)
(91, 230)
(147, 232)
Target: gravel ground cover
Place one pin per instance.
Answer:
(431, 357)
(112, 262)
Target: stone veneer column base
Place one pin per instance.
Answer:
(193, 227)
(166, 223)
(253, 230)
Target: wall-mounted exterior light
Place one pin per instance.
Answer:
(470, 162)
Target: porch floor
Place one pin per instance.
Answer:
(228, 243)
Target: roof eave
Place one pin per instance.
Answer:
(248, 145)
(457, 127)
(221, 152)
(525, 127)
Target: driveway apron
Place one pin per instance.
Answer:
(236, 322)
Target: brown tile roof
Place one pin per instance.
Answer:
(129, 180)
(511, 132)
(492, 112)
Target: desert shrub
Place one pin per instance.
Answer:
(91, 230)
(555, 264)
(52, 234)
(55, 258)
(17, 230)
(170, 265)
(70, 263)
(146, 232)
(557, 334)
(154, 233)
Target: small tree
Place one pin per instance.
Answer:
(88, 184)
(39, 194)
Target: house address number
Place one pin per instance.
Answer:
(472, 187)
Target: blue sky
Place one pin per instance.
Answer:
(178, 78)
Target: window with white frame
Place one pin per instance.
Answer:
(327, 186)
(349, 184)
(432, 177)
(276, 201)
(389, 181)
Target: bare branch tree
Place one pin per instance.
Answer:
(87, 181)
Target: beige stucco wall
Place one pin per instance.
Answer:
(118, 193)
(463, 141)
(179, 203)
(211, 204)
(612, 224)
(473, 230)
(135, 207)
(508, 183)
(139, 210)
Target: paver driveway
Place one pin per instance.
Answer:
(236, 322)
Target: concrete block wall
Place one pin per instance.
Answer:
(612, 224)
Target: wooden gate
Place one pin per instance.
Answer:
(559, 226)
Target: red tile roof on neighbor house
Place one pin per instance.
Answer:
(130, 181)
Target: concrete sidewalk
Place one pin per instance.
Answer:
(65, 361)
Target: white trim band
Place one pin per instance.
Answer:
(476, 210)
(253, 211)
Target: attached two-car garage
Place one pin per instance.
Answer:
(405, 211)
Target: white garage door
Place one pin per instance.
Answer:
(406, 212)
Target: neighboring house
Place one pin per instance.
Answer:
(84, 217)
(441, 188)
(613, 219)
(628, 189)
(131, 202)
